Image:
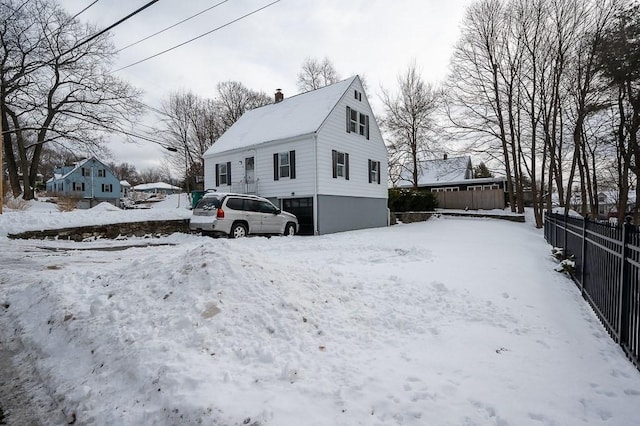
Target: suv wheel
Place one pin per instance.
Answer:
(290, 229)
(238, 230)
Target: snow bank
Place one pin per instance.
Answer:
(454, 321)
(45, 215)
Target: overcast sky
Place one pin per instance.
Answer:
(376, 39)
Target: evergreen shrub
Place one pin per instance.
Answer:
(411, 200)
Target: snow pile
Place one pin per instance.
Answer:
(45, 215)
(454, 321)
(104, 207)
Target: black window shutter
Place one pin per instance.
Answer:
(379, 172)
(276, 172)
(346, 166)
(367, 126)
(334, 163)
(292, 164)
(229, 173)
(369, 168)
(348, 120)
(217, 174)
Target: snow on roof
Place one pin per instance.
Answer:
(294, 116)
(155, 185)
(125, 183)
(442, 170)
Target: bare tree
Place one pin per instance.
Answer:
(619, 56)
(53, 88)
(192, 124)
(316, 73)
(583, 94)
(234, 99)
(155, 174)
(409, 119)
(480, 90)
(126, 171)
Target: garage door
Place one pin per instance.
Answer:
(303, 209)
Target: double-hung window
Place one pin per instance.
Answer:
(353, 122)
(357, 123)
(340, 162)
(284, 165)
(107, 187)
(374, 171)
(102, 173)
(78, 186)
(223, 173)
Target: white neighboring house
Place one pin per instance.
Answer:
(157, 188)
(125, 189)
(319, 155)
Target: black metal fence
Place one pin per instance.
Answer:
(607, 271)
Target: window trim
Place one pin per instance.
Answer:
(446, 189)
(358, 125)
(374, 171)
(226, 174)
(277, 165)
(334, 162)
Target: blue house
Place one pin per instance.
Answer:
(90, 181)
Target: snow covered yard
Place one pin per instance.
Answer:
(452, 321)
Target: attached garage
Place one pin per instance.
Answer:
(303, 209)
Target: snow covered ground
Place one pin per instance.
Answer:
(454, 321)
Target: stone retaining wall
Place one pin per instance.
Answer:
(114, 230)
(409, 217)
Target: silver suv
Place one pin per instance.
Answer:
(238, 215)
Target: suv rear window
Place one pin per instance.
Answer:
(209, 203)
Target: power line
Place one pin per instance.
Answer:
(172, 26)
(99, 33)
(82, 11)
(200, 36)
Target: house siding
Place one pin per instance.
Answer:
(94, 184)
(303, 184)
(338, 213)
(333, 136)
(337, 204)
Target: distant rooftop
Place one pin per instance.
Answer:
(442, 170)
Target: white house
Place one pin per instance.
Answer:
(157, 188)
(319, 155)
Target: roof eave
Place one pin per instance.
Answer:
(260, 144)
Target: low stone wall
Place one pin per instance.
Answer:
(410, 217)
(509, 217)
(114, 230)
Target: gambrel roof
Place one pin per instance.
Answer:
(295, 116)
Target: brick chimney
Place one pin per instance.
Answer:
(279, 95)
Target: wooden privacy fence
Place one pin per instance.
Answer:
(487, 199)
(607, 271)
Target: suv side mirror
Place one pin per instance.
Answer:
(277, 212)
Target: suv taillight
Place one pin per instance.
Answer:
(220, 214)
